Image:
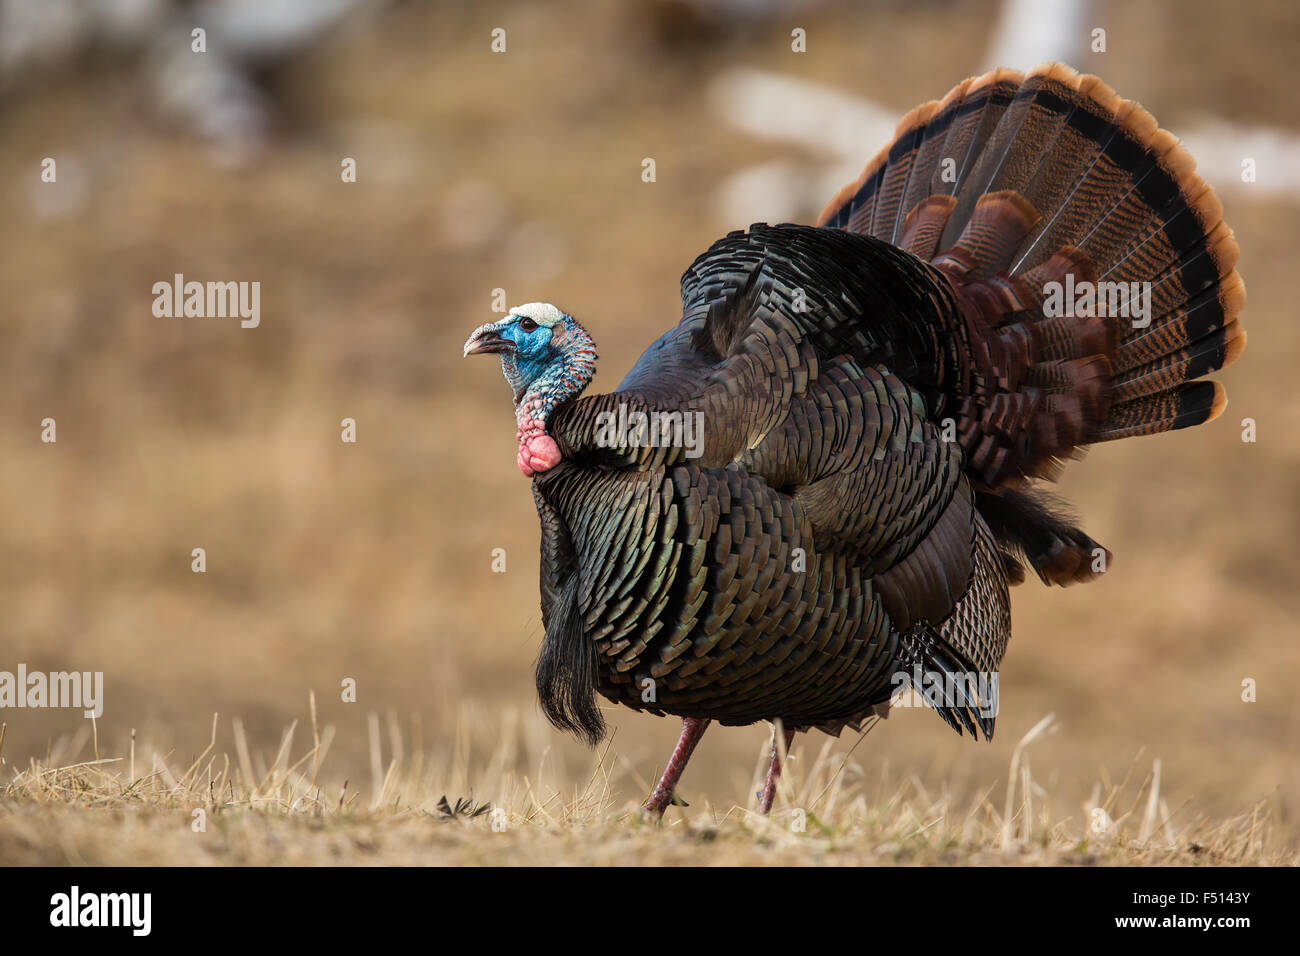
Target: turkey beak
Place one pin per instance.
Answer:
(486, 340)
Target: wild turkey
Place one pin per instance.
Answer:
(881, 395)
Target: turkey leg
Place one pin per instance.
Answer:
(692, 730)
(773, 773)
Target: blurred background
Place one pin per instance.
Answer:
(521, 170)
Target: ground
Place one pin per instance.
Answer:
(832, 812)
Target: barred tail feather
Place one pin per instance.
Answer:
(1012, 182)
(1014, 185)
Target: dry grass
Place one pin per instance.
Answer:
(434, 808)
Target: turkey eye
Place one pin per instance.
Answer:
(528, 325)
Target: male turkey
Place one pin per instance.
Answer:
(879, 396)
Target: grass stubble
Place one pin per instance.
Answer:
(433, 807)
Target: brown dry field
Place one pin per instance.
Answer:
(372, 561)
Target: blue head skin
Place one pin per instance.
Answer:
(548, 358)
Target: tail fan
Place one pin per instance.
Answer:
(1022, 190)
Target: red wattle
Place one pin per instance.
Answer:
(537, 450)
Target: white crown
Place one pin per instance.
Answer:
(543, 313)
